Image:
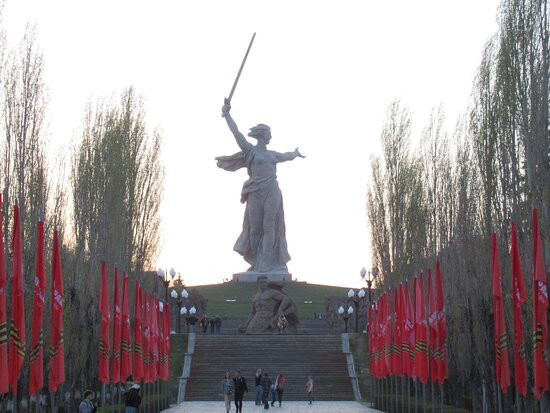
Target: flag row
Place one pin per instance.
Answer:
(540, 317)
(404, 340)
(13, 351)
(148, 358)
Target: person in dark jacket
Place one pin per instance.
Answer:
(133, 399)
(258, 384)
(266, 388)
(239, 384)
(87, 405)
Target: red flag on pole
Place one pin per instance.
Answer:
(421, 353)
(166, 328)
(389, 335)
(160, 338)
(518, 299)
(138, 349)
(379, 340)
(410, 333)
(17, 328)
(153, 337)
(371, 341)
(432, 325)
(397, 362)
(443, 362)
(57, 350)
(147, 340)
(4, 382)
(126, 353)
(501, 341)
(117, 332)
(540, 308)
(105, 323)
(37, 335)
(386, 343)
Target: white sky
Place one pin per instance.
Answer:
(320, 73)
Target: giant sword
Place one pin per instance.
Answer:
(228, 100)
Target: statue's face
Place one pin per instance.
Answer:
(262, 283)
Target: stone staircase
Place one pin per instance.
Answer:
(295, 356)
(308, 326)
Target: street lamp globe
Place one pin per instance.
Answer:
(341, 310)
(361, 293)
(161, 306)
(174, 294)
(184, 293)
(183, 310)
(172, 272)
(351, 293)
(193, 310)
(160, 272)
(350, 310)
(363, 272)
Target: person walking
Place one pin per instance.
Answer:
(227, 391)
(239, 384)
(266, 387)
(273, 393)
(258, 384)
(280, 388)
(309, 389)
(133, 399)
(218, 323)
(87, 405)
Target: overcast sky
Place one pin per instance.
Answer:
(320, 73)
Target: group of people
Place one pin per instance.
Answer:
(130, 397)
(215, 324)
(267, 391)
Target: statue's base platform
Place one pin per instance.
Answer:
(252, 276)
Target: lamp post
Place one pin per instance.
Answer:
(345, 314)
(372, 274)
(356, 298)
(163, 275)
(179, 298)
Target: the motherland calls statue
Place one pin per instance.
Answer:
(268, 304)
(262, 242)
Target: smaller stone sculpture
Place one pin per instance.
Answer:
(268, 304)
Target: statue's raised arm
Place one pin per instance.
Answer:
(239, 137)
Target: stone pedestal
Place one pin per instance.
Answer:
(252, 276)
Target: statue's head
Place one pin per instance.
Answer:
(260, 132)
(262, 282)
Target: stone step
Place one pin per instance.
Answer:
(295, 356)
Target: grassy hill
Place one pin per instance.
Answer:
(309, 298)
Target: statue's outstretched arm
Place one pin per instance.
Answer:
(239, 137)
(288, 156)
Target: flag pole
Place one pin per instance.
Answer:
(409, 393)
(102, 394)
(441, 388)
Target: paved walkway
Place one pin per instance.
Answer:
(288, 407)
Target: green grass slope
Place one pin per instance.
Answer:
(242, 293)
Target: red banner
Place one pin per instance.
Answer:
(57, 350)
(443, 362)
(432, 327)
(501, 340)
(105, 311)
(421, 353)
(37, 335)
(147, 339)
(138, 349)
(17, 328)
(518, 299)
(4, 382)
(397, 362)
(166, 329)
(540, 308)
(126, 353)
(117, 332)
(410, 333)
